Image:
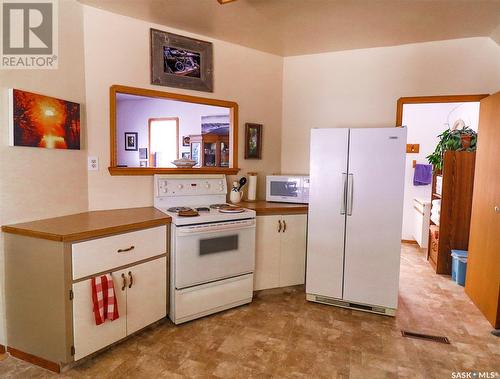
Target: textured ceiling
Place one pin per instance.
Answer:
(295, 27)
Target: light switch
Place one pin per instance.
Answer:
(93, 164)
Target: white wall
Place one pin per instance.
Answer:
(117, 52)
(133, 116)
(425, 122)
(39, 183)
(359, 88)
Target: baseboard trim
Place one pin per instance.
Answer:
(2, 349)
(33, 359)
(410, 241)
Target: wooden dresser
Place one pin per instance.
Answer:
(456, 206)
(49, 265)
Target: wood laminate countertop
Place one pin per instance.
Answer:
(90, 224)
(262, 207)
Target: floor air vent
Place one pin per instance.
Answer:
(426, 337)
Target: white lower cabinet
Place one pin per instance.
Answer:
(141, 292)
(280, 251)
(87, 336)
(147, 297)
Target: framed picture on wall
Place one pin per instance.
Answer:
(43, 121)
(143, 153)
(182, 62)
(253, 141)
(186, 140)
(186, 155)
(131, 141)
(195, 153)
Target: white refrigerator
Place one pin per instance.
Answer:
(355, 217)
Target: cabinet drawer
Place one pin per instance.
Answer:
(104, 254)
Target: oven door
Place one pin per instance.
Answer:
(208, 252)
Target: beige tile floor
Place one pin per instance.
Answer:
(280, 335)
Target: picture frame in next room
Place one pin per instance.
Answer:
(131, 141)
(253, 141)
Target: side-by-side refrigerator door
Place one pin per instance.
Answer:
(374, 215)
(326, 220)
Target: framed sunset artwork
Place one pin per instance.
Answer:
(43, 121)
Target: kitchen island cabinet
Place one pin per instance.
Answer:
(49, 265)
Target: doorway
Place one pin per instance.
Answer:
(426, 118)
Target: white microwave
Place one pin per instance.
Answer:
(287, 188)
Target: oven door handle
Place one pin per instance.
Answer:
(202, 229)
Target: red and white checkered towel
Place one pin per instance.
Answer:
(104, 299)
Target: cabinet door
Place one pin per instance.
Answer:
(89, 337)
(293, 250)
(146, 293)
(267, 253)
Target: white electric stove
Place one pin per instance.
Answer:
(213, 253)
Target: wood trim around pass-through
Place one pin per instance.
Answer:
(233, 127)
(433, 99)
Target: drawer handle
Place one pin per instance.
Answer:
(125, 250)
(284, 226)
(124, 282)
(279, 226)
(131, 279)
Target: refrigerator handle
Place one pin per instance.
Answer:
(344, 193)
(350, 186)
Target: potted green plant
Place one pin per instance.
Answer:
(463, 139)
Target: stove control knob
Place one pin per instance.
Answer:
(165, 190)
(207, 186)
(221, 188)
(180, 186)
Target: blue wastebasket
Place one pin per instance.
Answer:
(459, 266)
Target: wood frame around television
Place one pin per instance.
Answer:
(114, 169)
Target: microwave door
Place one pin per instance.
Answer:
(285, 188)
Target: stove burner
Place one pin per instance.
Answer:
(231, 210)
(219, 206)
(177, 209)
(203, 209)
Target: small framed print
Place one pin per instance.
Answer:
(186, 155)
(253, 141)
(186, 140)
(195, 153)
(143, 163)
(131, 141)
(143, 153)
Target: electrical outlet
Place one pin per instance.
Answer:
(93, 164)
